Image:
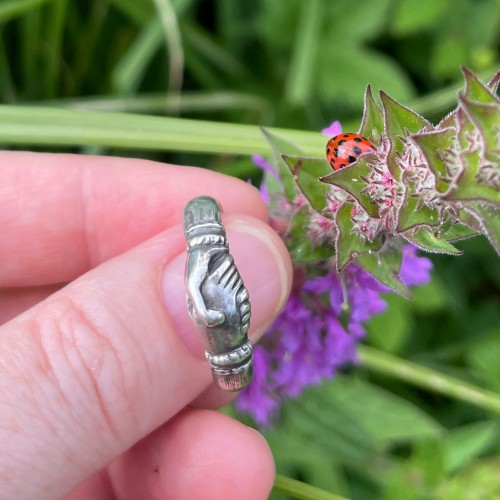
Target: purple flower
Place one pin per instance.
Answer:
(261, 162)
(308, 344)
(415, 270)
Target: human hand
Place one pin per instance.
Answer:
(104, 389)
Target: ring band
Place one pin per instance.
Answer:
(218, 301)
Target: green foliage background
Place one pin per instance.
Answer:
(297, 65)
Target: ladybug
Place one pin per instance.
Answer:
(344, 149)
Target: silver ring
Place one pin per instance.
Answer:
(217, 299)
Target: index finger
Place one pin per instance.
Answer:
(61, 214)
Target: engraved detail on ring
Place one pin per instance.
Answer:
(217, 299)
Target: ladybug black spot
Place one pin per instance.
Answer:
(341, 142)
(328, 151)
(351, 159)
(346, 135)
(336, 153)
(357, 150)
(342, 165)
(358, 139)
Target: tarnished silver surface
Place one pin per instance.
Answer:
(217, 298)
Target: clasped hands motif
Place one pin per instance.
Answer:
(217, 299)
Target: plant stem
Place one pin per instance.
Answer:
(298, 489)
(429, 379)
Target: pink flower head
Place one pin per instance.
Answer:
(334, 129)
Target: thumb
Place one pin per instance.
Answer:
(109, 358)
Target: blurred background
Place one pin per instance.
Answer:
(301, 65)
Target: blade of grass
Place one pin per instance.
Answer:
(139, 12)
(428, 379)
(130, 70)
(301, 70)
(201, 42)
(87, 42)
(53, 44)
(155, 103)
(303, 491)
(35, 125)
(13, 8)
(172, 35)
(204, 74)
(30, 35)
(7, 92)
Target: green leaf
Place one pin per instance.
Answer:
(345, 71)
(428, 459)
(425, 239)
(390, 329)
(434, 145)
(348, 245)
(457, 231)
(306, 252)
(368, 20)
(464, 128)
(490, 220)
(466, 186)
(372, 124)
(464, 444)
(307, 173)
(475, 90)
(280, 146)
(342, 436)
(412, 16)
(478, 481)
(414, 213)
(387, 418)
(446, 56)
(385, 266)
(350, 179)
(483, 357)
(399, 120)
(317, 425)
(431, 297)
(486, 118)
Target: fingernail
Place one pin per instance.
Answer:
(264, 265)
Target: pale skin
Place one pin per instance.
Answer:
(104, 390)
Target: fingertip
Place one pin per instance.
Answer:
(198, 454)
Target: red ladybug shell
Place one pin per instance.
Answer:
(344, 149)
